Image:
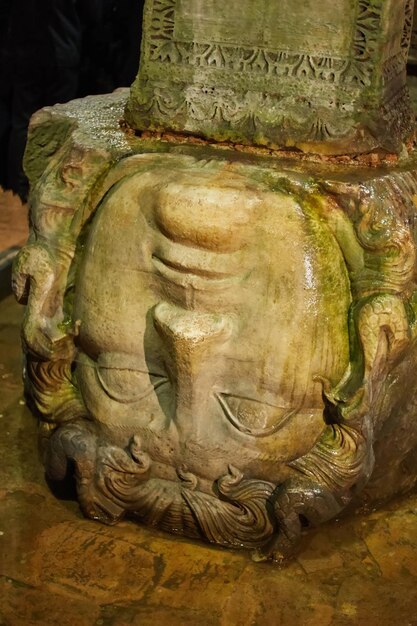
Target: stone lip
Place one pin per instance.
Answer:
(267, 86)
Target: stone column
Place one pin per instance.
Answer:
(312, 76)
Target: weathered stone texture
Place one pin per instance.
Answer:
(58, 568)
(219, 341)
(323, 77)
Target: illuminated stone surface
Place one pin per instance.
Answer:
(308, 75)
(221, 343)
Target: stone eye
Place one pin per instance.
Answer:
(253, 417)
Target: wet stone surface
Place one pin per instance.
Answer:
(58, 568)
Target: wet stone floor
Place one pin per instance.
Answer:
(58, 568)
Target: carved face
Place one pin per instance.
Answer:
(208, 303)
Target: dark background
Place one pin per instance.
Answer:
(53, 51)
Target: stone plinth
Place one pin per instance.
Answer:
(221, 343)
(321, 77)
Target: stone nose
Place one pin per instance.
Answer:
(209, 217)
(192, 340)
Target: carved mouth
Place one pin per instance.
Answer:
(195, 276)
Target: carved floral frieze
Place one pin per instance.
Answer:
(311, 94)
